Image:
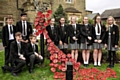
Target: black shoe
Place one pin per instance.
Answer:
(95, 65)
(84, 65)
(87, 65)
(110, 66)
(14, 74)
(30, 70)
(3, 69)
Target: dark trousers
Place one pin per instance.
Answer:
(111, 57)
(7, 53)
(32, 60)
(42, 46)
(8, 68)
(19, 65)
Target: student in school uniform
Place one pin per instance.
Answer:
(86, 40)
(32, 55)
(17, 54)
(53, 31)
(112, 38)
(99, 32)
(8, 35)
(63, 35)
(24, 27)
(74, 33)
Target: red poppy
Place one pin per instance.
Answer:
(39, 13)
(69, 55)
(49, 11)
(63, 69)
(45, 24)
(53, 69)
(49, 48)
(49, 40)
(48, 20)
(63, 56)
(55, 60)
(36, 23)
(40, 31)
(37, 27)
(47, 15)
(51, 64)
(37, 19)
(55, 65)
(36, 33)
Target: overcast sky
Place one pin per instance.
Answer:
(98, 6)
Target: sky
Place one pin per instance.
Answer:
(98, 6)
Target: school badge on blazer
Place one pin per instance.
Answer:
(87, 29)
(28, 29)
(64, 32)
(113, 32)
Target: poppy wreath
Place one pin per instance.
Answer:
(59, 59)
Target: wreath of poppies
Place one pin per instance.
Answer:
(59, 59)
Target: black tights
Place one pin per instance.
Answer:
(111, 57)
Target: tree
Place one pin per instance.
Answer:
(60, 12)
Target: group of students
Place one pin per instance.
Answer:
(86, 36)
(20, 46)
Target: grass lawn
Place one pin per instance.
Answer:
(43, 73)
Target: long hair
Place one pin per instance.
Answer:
(107, 24)
(96, 21)
(71, 19)
(59, 25)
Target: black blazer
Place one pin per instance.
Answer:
(19, 28)
(14, 50)
(63, 35)
(85, 32)
(114, 35)
(29, 50)
(103, 33)
(71, 33)
(54, 36)
(5, 34)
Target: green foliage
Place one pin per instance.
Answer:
(60, 12)
(104, 23)
(79, 20)
(90, 21)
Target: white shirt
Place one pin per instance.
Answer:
(111, 25)
(23, 28)
(86, 24)
(62, 25)
(74, 27)
(11, 36)
(96, 29)
(52, 27)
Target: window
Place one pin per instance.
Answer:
(69, 1)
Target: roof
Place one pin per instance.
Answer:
(111, 12)
(92, 16)
(71, 9)
(89, 11)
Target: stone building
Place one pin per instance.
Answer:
(111, 12)
(15, 7)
